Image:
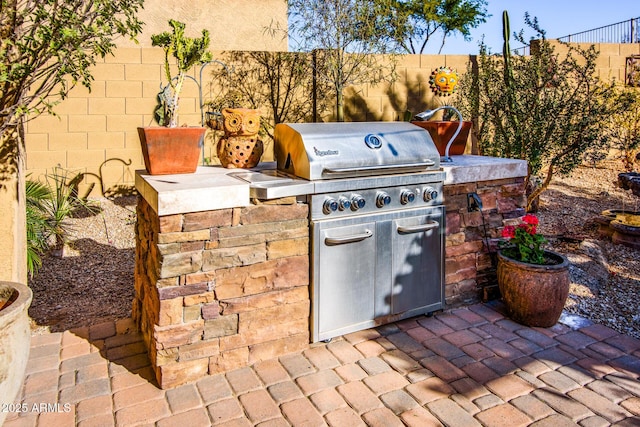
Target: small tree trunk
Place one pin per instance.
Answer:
(339, 106)
(173, 120)
(534, 197)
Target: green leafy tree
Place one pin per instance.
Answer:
(415, 23)
(559, 105)
(344, 35)
(46, 48)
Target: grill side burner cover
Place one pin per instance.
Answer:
(333, 150)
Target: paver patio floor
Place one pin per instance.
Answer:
(463, 367)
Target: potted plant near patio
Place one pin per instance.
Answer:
(443, 83)
(15, 338)
(171, 149)
(534, 282)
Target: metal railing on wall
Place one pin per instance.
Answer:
(621, 32)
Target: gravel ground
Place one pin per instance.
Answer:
(605, 276)
(93, 282)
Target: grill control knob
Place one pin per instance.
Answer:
(407, 196)
(329, 205)
(357, 202)
(344, 203)
(429, 194)
(382, 199)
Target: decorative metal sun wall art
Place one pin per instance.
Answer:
(443, 81)
(632, 71)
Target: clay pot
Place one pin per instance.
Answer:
(534, 294)
(620, 226)
(625, 233)
(171, 150)
(442, 131)
(15, 339)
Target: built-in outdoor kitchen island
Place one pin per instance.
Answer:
(223, 273)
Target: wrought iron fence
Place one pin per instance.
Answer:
(621, 32)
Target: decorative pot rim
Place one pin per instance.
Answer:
(16, 307)
(623, 227)
(439, 121)
(562, 264)
(612, 212)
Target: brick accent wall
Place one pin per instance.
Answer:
(468, 263)
(221, 289)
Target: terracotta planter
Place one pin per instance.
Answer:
(171, 150)
(620, 226)
(534, 294)
(626, 232)
(15, 338)
(441, 132)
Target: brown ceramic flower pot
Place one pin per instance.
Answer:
(534, 294)
(15, 338)
(171, 150)
(442, 131)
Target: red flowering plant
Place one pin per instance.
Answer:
(522, 242)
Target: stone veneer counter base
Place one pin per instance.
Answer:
(222, 283)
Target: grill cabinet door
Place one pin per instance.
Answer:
(344, 282)
(417, 263)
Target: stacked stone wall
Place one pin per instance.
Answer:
(471, 237)
(221, 289)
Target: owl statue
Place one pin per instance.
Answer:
(240, 146)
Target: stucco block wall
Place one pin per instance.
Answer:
(92, 128)
(232, 24)
(95, 132)
(612, 58)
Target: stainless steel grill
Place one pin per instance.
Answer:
(376, 217)
(336, 150)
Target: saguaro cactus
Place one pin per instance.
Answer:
(506, 49)
(512, 117)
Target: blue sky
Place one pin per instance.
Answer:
(557, 17)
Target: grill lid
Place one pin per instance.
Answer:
(336, 150)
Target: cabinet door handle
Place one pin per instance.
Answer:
(418, 228)
(332, 241)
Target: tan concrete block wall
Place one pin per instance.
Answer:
(94, 126)
(233, 24)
